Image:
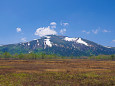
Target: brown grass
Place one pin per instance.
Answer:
(67, 72)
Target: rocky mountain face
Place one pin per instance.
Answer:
(60, 45)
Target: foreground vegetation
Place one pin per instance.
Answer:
(102, 57)
(7, 55)
(68, 72)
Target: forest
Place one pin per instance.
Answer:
(7, 55)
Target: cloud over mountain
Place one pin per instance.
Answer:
(23, 39)
(113, 41)
(62, 31)
(18, 29)
(65, 24)
(53, 24)
(45, 31)
(106, 31)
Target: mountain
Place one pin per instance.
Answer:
(60, 45)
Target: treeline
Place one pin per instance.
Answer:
(103, 57)
(7, 55)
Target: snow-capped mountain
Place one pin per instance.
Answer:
(60, 45)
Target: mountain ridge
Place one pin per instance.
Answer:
(59, 45)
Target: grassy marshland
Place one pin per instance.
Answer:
(66, 72)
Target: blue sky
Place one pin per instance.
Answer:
(25, 20)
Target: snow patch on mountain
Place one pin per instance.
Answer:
(23, 44)
(107, 47)
(70, 39)
(77, 40)
(56, 44)
(48, 37)
(47, 42)
(28, 44)
(82, 42)
(37, 41)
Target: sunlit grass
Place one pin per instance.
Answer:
(6, 67)
(57, 73)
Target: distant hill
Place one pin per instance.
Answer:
(59, 45)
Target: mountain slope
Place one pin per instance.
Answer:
(60, 45)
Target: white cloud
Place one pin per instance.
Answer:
(23, 39)
(87, 32)
(64, 24)
(45, 31)
(83, 31)
(106, 31)
(95, 31)
(53, 25)
(62, 31)
(18, 29)
(113, 41)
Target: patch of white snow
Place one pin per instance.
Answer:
(70, 39)
(28, 44)
(81, 41)
(37, 41)
(47, 42)
(107, 47)
(48, 37)
(77, 40)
